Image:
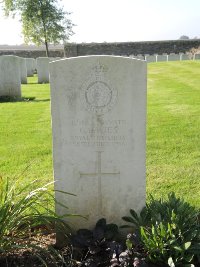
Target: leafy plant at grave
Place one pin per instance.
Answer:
(169, 231)
(96, 247)
(25, 214)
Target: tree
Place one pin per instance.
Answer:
(184, 37)
(43, 21)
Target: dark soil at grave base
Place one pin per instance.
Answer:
(29, 260)
(27, 257)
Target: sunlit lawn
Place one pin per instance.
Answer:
(173, 132)
(25, 144)
(173, 129)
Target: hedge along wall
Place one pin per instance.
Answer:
(131, 48)
(125, 48)
(32, 53)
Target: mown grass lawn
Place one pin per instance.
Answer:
(173, 129)
(173, 132)
(25, 130)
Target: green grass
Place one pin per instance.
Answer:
(25, 130)
(173, 132)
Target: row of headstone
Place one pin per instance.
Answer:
(14, 71)
(170, 57)
(42, 65)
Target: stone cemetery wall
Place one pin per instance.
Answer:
(131, 48)
(43, 69)
(10, 76)
(98, 108)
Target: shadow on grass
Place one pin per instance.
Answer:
(5, 99)
(31, 83)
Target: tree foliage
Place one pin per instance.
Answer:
(43, 21)
(184, 37)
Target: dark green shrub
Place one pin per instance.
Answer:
(169, 231)
(96, 247)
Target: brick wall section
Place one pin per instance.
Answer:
(131, 48)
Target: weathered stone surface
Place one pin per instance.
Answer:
(10, 77)
(98, 108)
(30, 66)
(150, 58)
(197, 56)
(43, 69)
(173, 57)
(185, 57)
(162, 58)
(23, 70)
(51, 59)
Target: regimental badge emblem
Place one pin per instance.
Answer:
(97, 95)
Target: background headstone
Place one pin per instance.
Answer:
(161, 58)
(150, 58)
(99, 118)
(140, 57)
(196, 56)
(43, 69)
(54, 58)
(184, 57)
(23, 70)
(173, 57)
(30, 66)
(10, 76)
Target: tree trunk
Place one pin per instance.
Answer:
(47, 48)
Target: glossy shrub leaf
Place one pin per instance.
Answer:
(111, 231)
(128, 219)
(101, 223)
(187, 245)
(170, 262)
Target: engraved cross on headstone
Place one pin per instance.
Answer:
(99, 173)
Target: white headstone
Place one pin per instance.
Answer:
(43, 69)
(51, 59)
(161, 58)
(23, 70)
(185, 57)
(30, 65)
(173, 57)
(10, 77)
(196, 56)
(150, 58)
(99, 120)
(140, 57)
(34, 65)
